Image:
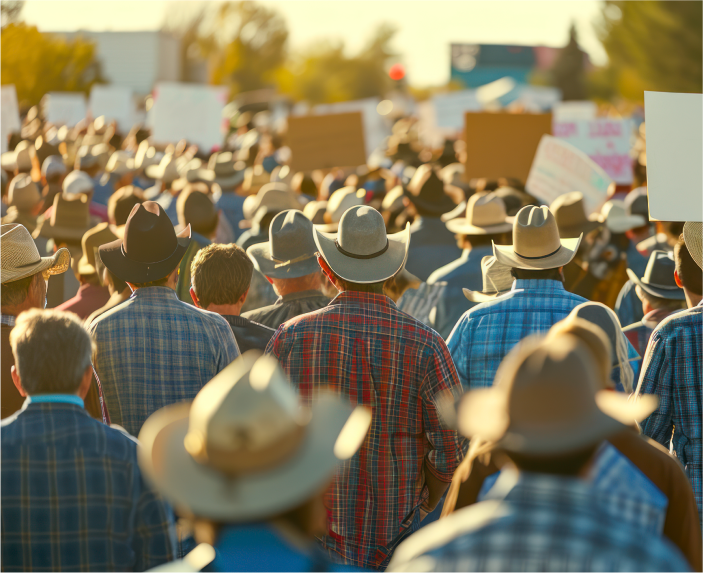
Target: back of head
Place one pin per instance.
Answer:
(690, 274)
(221, 274)
(52, 351)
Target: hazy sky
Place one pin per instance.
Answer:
(425, 27)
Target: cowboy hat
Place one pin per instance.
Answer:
(195, 208)
(658, 279)
(150, 250)
(44, 149)
(121, 203)
(315, 211)
(693, 237)
(221, 169)
(570, 212)
(166, 170)
(91, 241)
(23, 193)
(485, 215)
(52, 166)
(77, 183)
(70, 219)
(338, 204)
(514, 199)
(614, 216)
(244, 450)
(120, 163)
(254, 179)
(428, 192)
(547, 401)
(275, 195)
(497, 280)
(362, 252)
(146, 155)
(19, 159)
(290, 250)
(536, 243)
(20, 256)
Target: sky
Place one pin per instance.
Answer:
(425, 27)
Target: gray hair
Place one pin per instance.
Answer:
(52, 351)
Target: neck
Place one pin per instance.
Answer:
(15, 310)
(226, 309)
(692, 299)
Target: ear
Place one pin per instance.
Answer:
(17, 382)
(194, 296)
(86, 381)
(243, 298)
(677, 278)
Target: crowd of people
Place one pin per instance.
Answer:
(213, 362)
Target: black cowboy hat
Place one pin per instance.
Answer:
(150, 250)
(428, 192)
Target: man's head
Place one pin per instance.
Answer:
(78, 183)
(53, 170)
(23, 294)
(688, 273)
(220, 276)
(195, 208)
(52, 353)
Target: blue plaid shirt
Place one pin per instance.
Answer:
(73, 498)
(487, 332)
(672, 370)
(154, 350)
(536, 522)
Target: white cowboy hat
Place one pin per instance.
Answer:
(20, 256)
(497, 280)
(485, 215)
(614, 216)
(340, 201)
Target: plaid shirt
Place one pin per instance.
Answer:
(363, 347)
(672, 370)
(543, 523)
(154, 350)
(487, 332)
(73, 498)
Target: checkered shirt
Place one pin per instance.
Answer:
(543, 523)
(363, 347)
(672, 370)
(7, 319)
(487, 332)
(154, 350)
(73, 498)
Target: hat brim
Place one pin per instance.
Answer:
(480, 296)
(433, 207)
(209, 176)
(507, 256)
(573, 232)
(624, 224)
(58, 233)
(54, 265)
(330, 228)
(461, 226)
(674, 293)
(208, 493)
(260, 255)
(365, 271)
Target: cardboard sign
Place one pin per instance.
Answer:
(188, 111)
(674, 151)
(10, 118)
(326, 141)
(115, 103)
(560, 168)
(502, 144)
(64, 108)
(606, 141)
(451, 107)
(574, 111)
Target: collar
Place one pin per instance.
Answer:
(154, 293)
(300, 294)
(8, 319)
(654, 317)
(366, 298)
(236, 320)
(55, 399)
(538, 285)
(541, 489)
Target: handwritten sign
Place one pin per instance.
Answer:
(606, 141)
(64, 108)
(115, 103)
(559, 168)
(10, 119)
(451, 107)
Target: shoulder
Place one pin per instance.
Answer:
(690, 317)
(259, 327)
(633, 327)
(456, 267)
(257, 313)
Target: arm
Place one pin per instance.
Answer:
(457, 343)
(657, 378)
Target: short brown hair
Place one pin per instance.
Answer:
(14, 292)
(689, 272)
(220, 274)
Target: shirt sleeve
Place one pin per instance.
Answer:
(457, 343)
(227, 345)
(657, 378)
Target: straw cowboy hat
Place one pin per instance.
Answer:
(150, 250)
(485, 215)
(536, 243)
(19, 159)
(70, 219)
(98, 235)
(497, 280)
(658, 279)
(428, 192)
(278, 196)
(290, 250)
(221, 169)
(615, 217)
(514, 199)
(362, 252)
(548, 400)
(340, 201)
(20, 256)
(570, 212)
(166, 170)
(693, 237)
(244, 450)
(52, 166)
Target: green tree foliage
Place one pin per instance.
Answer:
(568, 71)
(39, 63)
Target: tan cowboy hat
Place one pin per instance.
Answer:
(23, 193)
(614, 215)
(315, 211)
(693, 237)
(195, 207)
(20, 256)
(98, 235)
(19, 159)
(221, 169)
(120, 163)
(76, 183)
(338, 204)
(362, 252)
(70, 219)
(244, 450)
(570, 212)
(254, 179)
(536, 243)
(548, 400)
(497, 280)
(146, 156)
(278, 196)
(166, 170)
(485, 215)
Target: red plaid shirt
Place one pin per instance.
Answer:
(363, 347)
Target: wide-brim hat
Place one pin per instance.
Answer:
(570, 213)
(70, 219)
(150, 249)
(290, 250)
(23, 218)
(20, 158)
(497, 280)
(166, 170)
(536, 242)
(222, 170)
(693, 237)
(485, 215)
(615, 217)
(274, 195)
(91, 241)
(658, 279)
(339, 203)
(427, 192)
(20, 256)
(361, 252)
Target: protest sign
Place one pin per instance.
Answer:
(64, 108)
(326, 141)
(115, 103)
(674, 151)
(574, 111)
(560, 168)
(10, 118)
(502, 144)
(451, 107)
(606, 141)
(188, 111)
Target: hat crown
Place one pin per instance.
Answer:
(98, 235)
(149, 236)
(535, 233)
(17, 248)
(496, 276)
(77, 182)
(693, 237)
(71, 212)
(660, 271)
(600, 315)
(362, 231)
(569, 210)
(342, 200)
(291, 236)
(485, 210)
(23, 192)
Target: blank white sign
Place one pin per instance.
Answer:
(674, 155)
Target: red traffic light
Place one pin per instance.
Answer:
(397, 72)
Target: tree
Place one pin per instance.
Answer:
(11, 10)
(38, 63)
(568, 72)
(657, 44)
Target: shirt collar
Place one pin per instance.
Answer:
(8, 319)
(542, 489)
(301, 294)
(55, 399)
(154, 292)
(539, 285)
(356, 297)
